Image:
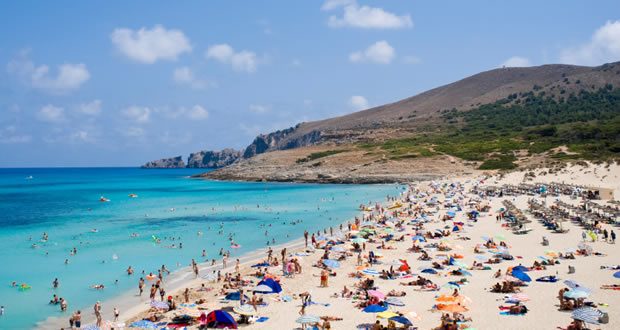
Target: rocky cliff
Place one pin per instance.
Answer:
(281, 140)
(173, 162)
(213, 159)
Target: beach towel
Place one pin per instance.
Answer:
(262, 319)
(546, 279)
(506, 313)
(318, 303)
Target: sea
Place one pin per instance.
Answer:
(166, 208)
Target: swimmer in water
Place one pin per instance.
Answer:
(97, 286)
(129, 270)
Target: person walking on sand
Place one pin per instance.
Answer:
(238, 266)
(613, 237)
(141, 285)
(306, 237)
(116, 314)
(77, 320)
(97, 309)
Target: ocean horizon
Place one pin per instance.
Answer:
(111, 235)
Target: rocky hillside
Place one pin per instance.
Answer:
(213, 159)
(542, 93)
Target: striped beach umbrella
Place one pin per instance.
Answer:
(244, 310)
(576, 294)
(587, 314)
(308, 319)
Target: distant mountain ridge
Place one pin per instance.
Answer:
(387, 120)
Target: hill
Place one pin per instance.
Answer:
(498, 119)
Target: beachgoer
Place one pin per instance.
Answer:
(116, 314)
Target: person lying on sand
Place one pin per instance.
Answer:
(394, 293)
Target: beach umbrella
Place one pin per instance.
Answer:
(617, 274)
(370, 272)
(520, 268)
(587, 314)
(374, 309)
(465, 272)
(551, 254)
(331, 263)
(461, 264)
(521, 275)
(395, 263)
(519, 297)
(412, 314)
(339, 249)
(419, 238)
(451, 285)
(220, 319)
(576, 294)
(401, 320)
(320, 237)
(500, 237)
(143, 324)
(486, 238)
(483, 258)
(575, 285)
(377, 294)
(444, 298)
(571, 250)
(451, 214)
(386, 315)
(235, 296)
(160, 304)
(543, 258)
(359, 240)
(210, 277)
(191, 311)
(90, 327)
(308, 319)
(244, 310)
(394, 301)
(452, 308)
(429, 271)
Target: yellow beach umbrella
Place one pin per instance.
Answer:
(386, 315)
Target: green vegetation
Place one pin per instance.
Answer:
(587, 122)
(317, 155)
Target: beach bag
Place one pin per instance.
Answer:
(605, 318)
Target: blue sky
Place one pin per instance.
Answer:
(118, 83)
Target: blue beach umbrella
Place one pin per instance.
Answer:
(374, 309)
(331, 263)
(465, 272)
(617, 274)
(521, 275)
(520, 268)
(576, 286)
(576, 294)
(401, 320)
(452, 214)
(419, 238)
(235, 296)
(429, 271)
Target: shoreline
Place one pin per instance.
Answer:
(132, 305)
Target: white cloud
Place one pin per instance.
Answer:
(92, 109)
(70, 76)
(138, 114)
(369, 18)
(51, 113)
(149, 46)
(379, 52)
(259, 109)
(185, 76)
(358, 102)
(7, 136)
(134, 132)
(603, 47)
(411, 59)
(197, 113)
(333, 4)
(516, 61)
(241, 61)
(82, 136)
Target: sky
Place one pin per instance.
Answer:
(119, 83)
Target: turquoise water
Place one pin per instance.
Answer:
(64, 203)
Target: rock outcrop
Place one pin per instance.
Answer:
(280, 140)
(213, 159)
(173, 162)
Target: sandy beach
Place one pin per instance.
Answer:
(420, 307)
